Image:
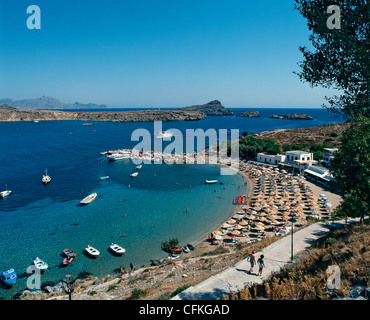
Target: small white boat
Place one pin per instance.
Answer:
(139, 167)
(173, 256)
(134, 174)
(185, 249)
(163, 134)
(46, 178)
(211, 181)
(117, 249)
(103, 178)
(103, 153)
(118, 156)
(89, 198)
(92, 251)
(40, 264)
(5, 193)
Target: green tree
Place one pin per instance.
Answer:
(340, 59)
(351, 169)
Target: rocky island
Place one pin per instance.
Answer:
(213, 108)
(249, 114)
(292, 116)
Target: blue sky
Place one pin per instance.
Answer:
(156, 53)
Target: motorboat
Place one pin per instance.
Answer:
(103, 178)
(88, 199)
(46, 178)
(185, 249)
(139, 167)
(5, 193)
(211, 181)
(92, 251)
(69, 253)
(191, 247)
(134, 174)
(118, 156)
(103, 153)
(164, 134)
(40, 264)
(117, 249)
(8, 277)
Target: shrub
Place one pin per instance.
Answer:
(138, 294)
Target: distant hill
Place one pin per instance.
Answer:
(49, 103)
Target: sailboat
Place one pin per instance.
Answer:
(45, 178)
(5, 193)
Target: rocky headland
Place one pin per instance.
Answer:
(213, 108)
(192, 113)
(8, 113)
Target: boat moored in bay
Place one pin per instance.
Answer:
(90, 198)
(8, 277)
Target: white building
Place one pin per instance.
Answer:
(270, 159)
(291, 156)
(328, 155)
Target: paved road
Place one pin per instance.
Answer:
(276, 255)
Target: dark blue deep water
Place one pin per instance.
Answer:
(38, 220)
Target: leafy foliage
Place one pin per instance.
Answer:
(340, 59)
(351, 169)
(166, 245)
(249, 146)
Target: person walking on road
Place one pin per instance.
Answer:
(261, 264)
(252, 260)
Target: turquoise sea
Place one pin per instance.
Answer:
(38, 220)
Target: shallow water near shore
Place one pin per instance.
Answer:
(38, 220)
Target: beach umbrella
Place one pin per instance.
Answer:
(260, 228)
(243, 223)
(235, 232)
(238, 227)
(251, 217)
(274, 222)
(217, 233)
(231, 221)
(259, 224)
(225, 225)
(263, 214)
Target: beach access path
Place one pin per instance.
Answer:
(277, 255)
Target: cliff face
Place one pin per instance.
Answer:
(11, 114)
(213, 108)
